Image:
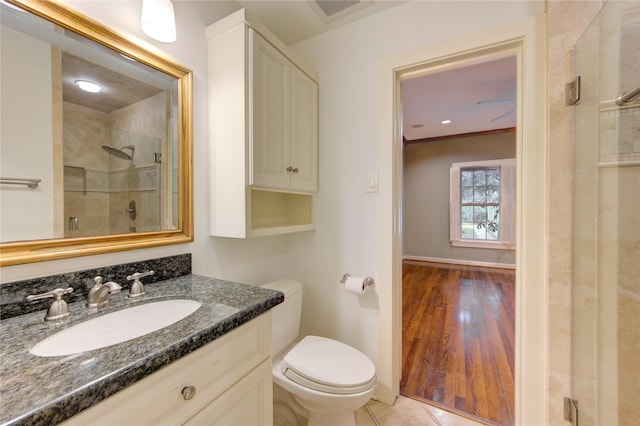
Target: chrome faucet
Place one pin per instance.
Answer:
(59, 308)
(99, 293)
(137, 289)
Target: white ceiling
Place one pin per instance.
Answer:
(475, 98)
(296, 20)
(452, 94)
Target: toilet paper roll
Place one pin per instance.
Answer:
(355, 285)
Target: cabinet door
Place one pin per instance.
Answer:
(269, 116)
(304, 132)
(158, 400)
(248, 402)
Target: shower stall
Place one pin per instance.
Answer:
(606, 221)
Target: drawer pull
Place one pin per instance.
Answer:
(188, 392)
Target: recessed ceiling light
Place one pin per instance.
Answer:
(88, 86)
(417, 126)
(445, 122)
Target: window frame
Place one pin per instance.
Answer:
(507, 204)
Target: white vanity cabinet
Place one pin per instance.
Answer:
(226, 382)
(263, 132)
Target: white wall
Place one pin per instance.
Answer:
(346, 241)
(251, 262)
(26, 144)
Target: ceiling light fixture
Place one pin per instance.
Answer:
(158, 20)
(88, 86)
(445, 122)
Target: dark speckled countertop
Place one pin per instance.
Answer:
(48, 390)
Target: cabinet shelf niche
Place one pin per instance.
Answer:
(280, 212)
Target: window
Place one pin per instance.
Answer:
(482, 204)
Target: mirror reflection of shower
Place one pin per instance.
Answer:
(118, 152)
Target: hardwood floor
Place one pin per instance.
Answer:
(458, 338)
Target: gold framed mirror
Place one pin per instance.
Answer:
(154, 213)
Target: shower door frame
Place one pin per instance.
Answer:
(603, 174)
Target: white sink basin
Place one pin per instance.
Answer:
(116, 327)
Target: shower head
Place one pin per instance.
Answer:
(117, 152)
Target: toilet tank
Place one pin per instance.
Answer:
(285, 316)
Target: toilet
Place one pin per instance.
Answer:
(329, 379)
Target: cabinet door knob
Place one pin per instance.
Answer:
(289, 169)
(294, 170)
(188, 392)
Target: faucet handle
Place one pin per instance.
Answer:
(137, 289)
(138, 275)
(59, 308)
(56, 294)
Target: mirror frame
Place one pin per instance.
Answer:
(21, 252)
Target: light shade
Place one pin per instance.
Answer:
(158, 20)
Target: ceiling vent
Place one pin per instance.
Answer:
(331, 10)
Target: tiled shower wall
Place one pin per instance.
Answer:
(619, 134)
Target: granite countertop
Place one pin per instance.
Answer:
(48, 390)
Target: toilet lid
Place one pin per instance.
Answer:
(329, 366)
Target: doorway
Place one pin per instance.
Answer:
(526, 39)
(458, 281)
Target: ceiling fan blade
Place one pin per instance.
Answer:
(495, 101)
(504, 115)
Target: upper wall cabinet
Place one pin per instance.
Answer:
(263, 132)
(285, 125)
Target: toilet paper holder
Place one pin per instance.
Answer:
(366, 282)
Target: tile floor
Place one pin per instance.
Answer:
(408, 412)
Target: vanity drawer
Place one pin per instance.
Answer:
(210, 371)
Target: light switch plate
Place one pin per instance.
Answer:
(372, 183)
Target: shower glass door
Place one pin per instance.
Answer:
(606, 221)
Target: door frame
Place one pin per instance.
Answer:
(526, 38)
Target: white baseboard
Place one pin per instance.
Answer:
(460, 262)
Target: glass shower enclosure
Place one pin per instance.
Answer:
(606, 220)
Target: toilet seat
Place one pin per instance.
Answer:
(327, 365)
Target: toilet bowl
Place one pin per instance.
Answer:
(327, 378)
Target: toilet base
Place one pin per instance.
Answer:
(286, 410)
(346, 418)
